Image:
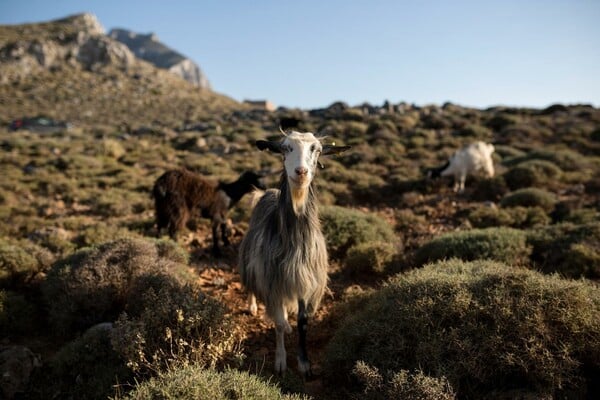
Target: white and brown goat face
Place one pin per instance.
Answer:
(300, 153)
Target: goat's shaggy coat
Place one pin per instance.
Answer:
(283, 257)
(178, 194)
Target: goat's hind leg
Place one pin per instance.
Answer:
(303, 362)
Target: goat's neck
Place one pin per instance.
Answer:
(299, 203)
(234, 190)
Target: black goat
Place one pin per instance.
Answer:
(180, 193)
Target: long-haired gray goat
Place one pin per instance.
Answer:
(283, 257)
(180, 193)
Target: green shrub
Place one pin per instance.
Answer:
(111, 148)
(491, 189)
(581, 216)
(530, 197)
(506, 152)
(486, 217)
(100, 233)
(171, 324)
(407, 220)
(501, 244)
(475, 132)
(94, 284)
(18, 315)
(21, 260)
(565, 159)
(193, 383)
(381, 130)
(516, 217)
(171, 250)
(532, 173)
(57, 240)
(571, 250)
(372, 257)
(501, 120)
(488, 328)
(401, 385)
(85, 368)
(344, 228)
(528, 217)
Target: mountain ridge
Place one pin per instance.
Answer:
(69, 69)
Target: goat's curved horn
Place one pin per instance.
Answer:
(282, 131)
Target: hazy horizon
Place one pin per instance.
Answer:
(311, 54)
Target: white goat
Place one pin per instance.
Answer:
(467, 160)
(283, 257)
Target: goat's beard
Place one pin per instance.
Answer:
(299, 195)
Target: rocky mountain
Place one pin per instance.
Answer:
(149, 48)
(69, 69)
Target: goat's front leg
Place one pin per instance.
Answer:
(282, 326)
(225, 233)
(215, 249)
(303, 362)
(252, 307)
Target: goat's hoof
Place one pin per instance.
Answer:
(304, 368)
(280, 366)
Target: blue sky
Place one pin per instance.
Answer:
(309, 54)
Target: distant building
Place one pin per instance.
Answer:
(261, 104)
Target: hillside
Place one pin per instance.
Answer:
(487, 293)
(70, 70)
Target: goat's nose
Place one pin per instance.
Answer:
(301, 171)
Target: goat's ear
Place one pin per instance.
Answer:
(329, 149)
(275, 147)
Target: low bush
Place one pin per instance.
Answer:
(536, 173)
(570, 250)
(475, 132)
(501, 120)
(193, 382)
(401, 385)
(96, 234)
(372, 257)
(57, 240)
(170, 324)
(565, 159)
(487, 327)
(21, 260)
(501, 244)
(487, 217)
(490, 189)
(85, 368)
(530, 197)
(516, 217)
(18, 315)
(94, 284)
(344, 228)
(506, 152)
